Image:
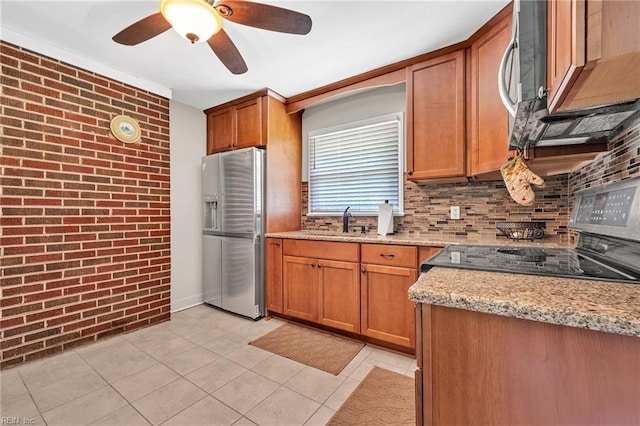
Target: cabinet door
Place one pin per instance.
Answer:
(387, 312)
(435, 118)
(340, 298)
(300, 287)
(273, 272)
(249, 124)
(565, 47)
(220, 130)
(489, 121)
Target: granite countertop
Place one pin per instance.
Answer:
(594, 305)
(407, 239)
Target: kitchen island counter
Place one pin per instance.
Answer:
(594, 305)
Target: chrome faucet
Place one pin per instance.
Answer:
(345, 219)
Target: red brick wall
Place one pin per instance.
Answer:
(85, 218)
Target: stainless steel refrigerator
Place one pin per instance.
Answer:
(232, 231)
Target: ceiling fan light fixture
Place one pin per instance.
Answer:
(195, 20)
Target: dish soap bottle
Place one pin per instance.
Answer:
(385, 218)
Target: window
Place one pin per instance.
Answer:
(358, 165)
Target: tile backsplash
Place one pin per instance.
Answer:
(620, 162)
(482, 204)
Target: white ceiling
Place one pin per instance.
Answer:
(347, 39)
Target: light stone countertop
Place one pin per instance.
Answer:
(594, 305)
(433, 240)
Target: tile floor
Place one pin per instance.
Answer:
(196, 369)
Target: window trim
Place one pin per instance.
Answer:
(399, 116)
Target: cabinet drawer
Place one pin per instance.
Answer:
(347, 252)
(385, 254)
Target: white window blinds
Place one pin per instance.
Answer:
(358, 165)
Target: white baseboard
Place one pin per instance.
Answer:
(186, 302)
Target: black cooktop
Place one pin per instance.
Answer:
(557, 262)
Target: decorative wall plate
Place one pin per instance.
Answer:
(125, 129)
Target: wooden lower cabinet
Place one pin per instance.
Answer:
(323, 291)
(300, 285)
(387, 312)
(477, 368)
(273, 275)
(340, 298)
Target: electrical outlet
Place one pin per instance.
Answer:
(455, 212)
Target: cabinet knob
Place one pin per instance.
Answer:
(229, 145)
(364, 271)
(410, 173)
(313, 265)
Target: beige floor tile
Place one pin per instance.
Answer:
(315, 384)
(201, 333)
(206, 412)
(353, 364)
(278, 368)
(149, 336)
(11, 385)
(245, 391)
(226, 343)
(401, 361)
(412, 369)
(171, 345)
(201, 312)
(186, 362)
(118, 361)
(125, 416)
(53, 369)
(144, 382)
(226, 322)
(20, 409)
(168, 401)
(244, 422)
(66, 389)
(368, 364)
(86, 409)
(248, 356)
(340, 395)
(283, 407)
(253, 330)
(215, 374)
(320, 417)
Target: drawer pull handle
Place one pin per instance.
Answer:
(388, 256)
(276, 244)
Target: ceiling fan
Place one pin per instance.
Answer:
(201, 20)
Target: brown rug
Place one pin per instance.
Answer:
(382, 398)
(317, 349)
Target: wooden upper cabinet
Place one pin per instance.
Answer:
(436, 118)
(593, 53)
(249, 124)
(565, 47)
(236, 126)
(219, 130)
(489, 120)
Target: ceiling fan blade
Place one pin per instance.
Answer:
(264, 16)
(142, 30)
(227, 52)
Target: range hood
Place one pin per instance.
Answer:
(523, 76)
